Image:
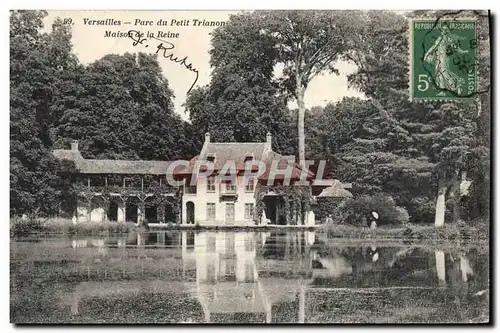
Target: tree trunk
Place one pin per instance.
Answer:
(455, 199)
(440, 205)
(302, 112)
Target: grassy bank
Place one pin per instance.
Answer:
(66, 226)
(474, 231)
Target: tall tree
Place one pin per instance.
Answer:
(161, 132)
(308, 43)
(121, 107)
(242, 101)
(441, 135)
(36, 61)
(104, 118)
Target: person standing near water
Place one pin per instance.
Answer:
(374, 220)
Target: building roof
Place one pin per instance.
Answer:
(222, 151)
(238, 151)
(283, 162)
(67, 154)
(126, 167)
(337, 190)
(91, 166)
(233, 151)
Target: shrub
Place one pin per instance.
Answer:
(385, 206)
(66, 226)
(19, 226)
(402, 215)
(330, 206)
(422, 209)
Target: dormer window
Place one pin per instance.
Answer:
(283, 164)
(210, 184)
(211, 158)
(248, 158)
(250, 186)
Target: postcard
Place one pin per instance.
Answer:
(250, 167)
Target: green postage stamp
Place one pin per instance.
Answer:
(443, 58)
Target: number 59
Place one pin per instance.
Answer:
(423, 84)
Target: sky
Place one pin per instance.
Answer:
(90, 44)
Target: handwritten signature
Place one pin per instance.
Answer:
(165, 47)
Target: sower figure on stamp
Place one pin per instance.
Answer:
(439, 56)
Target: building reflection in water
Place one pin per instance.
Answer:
(256, 277)
(226, 276)
(228, 285)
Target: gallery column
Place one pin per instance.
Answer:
(120, 216)
(160, 212)
(141, 207)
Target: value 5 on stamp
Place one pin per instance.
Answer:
(443, 58)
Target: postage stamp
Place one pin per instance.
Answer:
(443, 58)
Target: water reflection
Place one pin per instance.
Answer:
(244, 277)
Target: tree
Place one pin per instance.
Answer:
(449, 136)
(121, 107)
(36, 60)
(242, 102)
(103, 117)
(335, 125)
(444, 137)
(308, 43)
(161, 131)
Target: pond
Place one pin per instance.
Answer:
(244, 277)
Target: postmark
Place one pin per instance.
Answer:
(443, 60)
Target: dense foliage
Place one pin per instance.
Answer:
(243, 101)
(37, 61)
(121, 106)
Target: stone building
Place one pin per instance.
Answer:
(119, 190)
(139, 191)
(215, 201)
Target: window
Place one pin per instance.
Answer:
(188, 188)
(210, 211)
(249, 187)
(229, 238)
(211, 158)
(230, 187)
(248, 158)
(211, 243)
(210, 184)
(230, 270)
(283, 164)
(249, 211)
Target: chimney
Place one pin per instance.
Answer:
(269, 138)
(207, 137)
(74, 145)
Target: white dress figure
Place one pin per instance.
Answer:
(373, 224)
